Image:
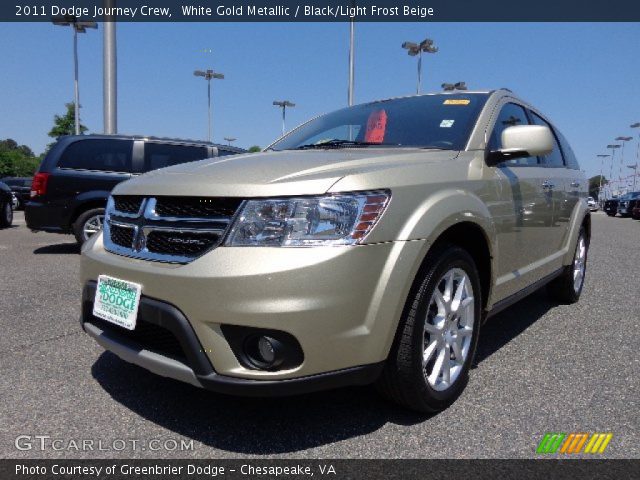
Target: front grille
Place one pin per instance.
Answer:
(166, 229)
(194, 207)
(181, 243)
(122, 236)
(128, 203)
(147, 335)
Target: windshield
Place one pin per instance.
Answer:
(441, 121)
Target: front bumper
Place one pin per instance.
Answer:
(342, 304)
(194, 367)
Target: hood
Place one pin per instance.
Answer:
(291, 172)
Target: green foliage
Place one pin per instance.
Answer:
(594, 185)
(17, 160)
(65, 125)
(255, 149)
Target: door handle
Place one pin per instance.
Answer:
(547, 184)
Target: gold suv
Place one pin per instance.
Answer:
(367, 245)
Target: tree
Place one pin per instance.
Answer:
(66, 124)
(255, 149)
(16, 160)
(594, 185)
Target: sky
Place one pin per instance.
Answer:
(584, 77)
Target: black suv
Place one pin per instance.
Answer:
(627, 202)
(70, 189)
(21, 187)
(611, 207)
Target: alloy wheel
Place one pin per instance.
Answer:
(448, 329)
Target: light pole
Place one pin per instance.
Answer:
(613, 147)
(283, 104)
(109, 71)
(623, 140)
(414, 49)
(209, 75)
(78, 27)
(601, 169)
(230, 139)
(635, 173)
(351, 62)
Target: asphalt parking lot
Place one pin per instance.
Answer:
(541, 368)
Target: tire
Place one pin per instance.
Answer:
(6, 215)
(87, 224)
(611, 214)
(568, 286)
(420, 386)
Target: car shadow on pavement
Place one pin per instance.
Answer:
(508, 324)
(252, 426)
(60, 248)
(267, 426)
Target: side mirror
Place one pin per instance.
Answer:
(523, 141)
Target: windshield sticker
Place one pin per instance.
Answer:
(457, 101)
(376, 127)
(446, 123)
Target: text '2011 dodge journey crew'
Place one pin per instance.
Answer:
(367, 245)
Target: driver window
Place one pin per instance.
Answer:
(511, 115)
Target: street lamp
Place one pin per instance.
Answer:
(283, 104)
(78, 27)
(613, 147)
(230, 139)
(635, 174)
(601, 169)
(209, 75)
(623, 140)
(450, 87)
(416, 49)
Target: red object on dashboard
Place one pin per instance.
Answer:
(376, 127)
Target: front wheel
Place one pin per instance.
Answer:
(88, 224)
(429, 362)
(6, 215)
(568, 286)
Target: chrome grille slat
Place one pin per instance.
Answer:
(148, 235)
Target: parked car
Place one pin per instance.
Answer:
(6, 206)
(627, 202)
(367, 245)
(21, 187)
(635, 212)
(71, 187)
(592, 204)
(611, 206)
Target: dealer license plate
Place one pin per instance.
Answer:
(117, 301)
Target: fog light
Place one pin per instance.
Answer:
(267, 350)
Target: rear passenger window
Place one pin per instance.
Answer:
(511, 115)
(158, 155)
(106, 155)
(554, 159)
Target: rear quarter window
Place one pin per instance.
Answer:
(106, 155)
(158, 155)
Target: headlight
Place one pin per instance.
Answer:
(341, 219)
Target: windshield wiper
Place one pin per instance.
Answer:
(341, 143)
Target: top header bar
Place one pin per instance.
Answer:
(326, 10)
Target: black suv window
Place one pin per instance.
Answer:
(158, 155)
(108, 155)
(511, 115)
(554, 159)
